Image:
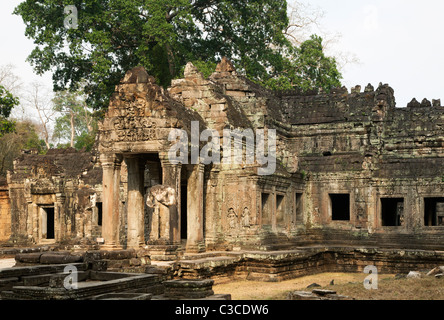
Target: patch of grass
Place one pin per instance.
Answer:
(427, 288)
(351, 285)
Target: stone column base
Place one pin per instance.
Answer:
(195, 247)
(110, 247)
(161, 252)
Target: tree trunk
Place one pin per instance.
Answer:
(73, 129)
(170, 56)
(87, 120)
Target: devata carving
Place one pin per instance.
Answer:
(162, 199)
(246, 218)
(232, 218)
(161, 194)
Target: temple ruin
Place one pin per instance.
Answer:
(351, 169)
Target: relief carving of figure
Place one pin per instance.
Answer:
(162, 194)
(232, 218)
(246, 218)
(161, 198)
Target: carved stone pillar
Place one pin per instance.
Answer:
(195, 210)
(59, 217)
(111, 203)
(171, 177)
(33, 211)
(135, 211)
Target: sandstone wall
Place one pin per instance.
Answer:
(5, 214)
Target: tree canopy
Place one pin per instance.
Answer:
(112, 36)
(7, 103)
(76, 122)
(24, 137)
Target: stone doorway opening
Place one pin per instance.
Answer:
(183, 213)
(340, 207)
(433, 212)
(392, 212)
(48, 225)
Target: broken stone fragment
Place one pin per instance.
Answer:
(190, 70)
(436, 271)
(414, 275)
(225, 66)
(356, 89)
(136, 75)
(369, 88)
(426, 103)
(413, 104)
(302, 295)
(323, 292)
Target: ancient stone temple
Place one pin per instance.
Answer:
(345, 168)
(55, 198)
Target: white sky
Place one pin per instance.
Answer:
(398, 42)
(14, 46)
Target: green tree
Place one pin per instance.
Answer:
(76, 122)
(113, 36)
(7, 103)
(24, 137)
(307, 68)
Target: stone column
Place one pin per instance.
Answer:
(195, 208)
(135, 211)
(171, 177)
(33, 210)
(111, 201)
(59, 217)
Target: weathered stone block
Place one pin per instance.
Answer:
(28, 257)
(190, 289)
(54, 258)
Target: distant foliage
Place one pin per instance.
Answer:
(76, 122)
(7, 103)
(306, 68)
(24, 137)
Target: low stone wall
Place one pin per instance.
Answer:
(285, 265)
(11, 252)
(250, 265)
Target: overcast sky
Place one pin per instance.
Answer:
(398, 42)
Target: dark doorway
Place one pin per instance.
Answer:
(266, 210)
(50, 234)
(298, 207)
(392, 212)
(340, 207)
(99, 213)
(183, 212)
(280, 209)
(433, 212)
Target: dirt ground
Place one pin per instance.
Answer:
(7, 263)
(351, 285)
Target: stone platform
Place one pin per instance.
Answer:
(275, 266)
